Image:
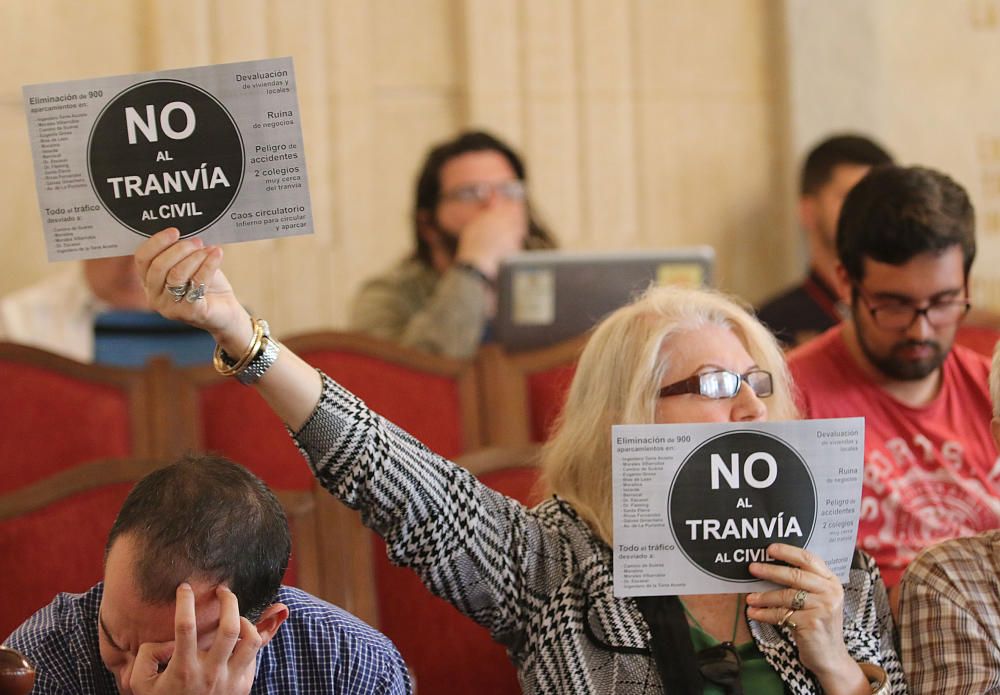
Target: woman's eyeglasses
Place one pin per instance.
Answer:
(721, 384)
(721, 664)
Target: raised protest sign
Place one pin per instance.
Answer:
(214, 151)
(695, 504)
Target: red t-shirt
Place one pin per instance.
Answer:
(931, 473)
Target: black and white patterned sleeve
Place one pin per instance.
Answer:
(869, 630)
(483, 552)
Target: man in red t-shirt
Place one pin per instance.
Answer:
(906, 241)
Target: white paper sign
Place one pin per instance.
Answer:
(695, 504)
(215, 151)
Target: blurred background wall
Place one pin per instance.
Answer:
(645, 123)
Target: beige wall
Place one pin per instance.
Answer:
(918, 74)
(645, 123)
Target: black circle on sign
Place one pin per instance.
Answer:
(162, 149)
(692, 498)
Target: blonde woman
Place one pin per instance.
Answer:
(541, 579)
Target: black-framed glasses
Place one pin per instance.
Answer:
(722, 384)
(481, 192)
(893, 315)
(721, 664)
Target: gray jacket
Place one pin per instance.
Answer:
(417, 307)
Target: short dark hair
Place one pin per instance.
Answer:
(895, 213)
(428, 191)
(836, 150)
(206, 517)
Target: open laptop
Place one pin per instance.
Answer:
(131, 338)
(544, 297)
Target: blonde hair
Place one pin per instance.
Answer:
(617, 381)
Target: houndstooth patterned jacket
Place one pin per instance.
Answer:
(537, 579)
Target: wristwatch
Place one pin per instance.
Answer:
(252, 373)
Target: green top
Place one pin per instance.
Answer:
(756, 674)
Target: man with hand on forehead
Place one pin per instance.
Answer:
(471, 211)
(192, 603)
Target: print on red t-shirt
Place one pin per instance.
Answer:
(931, 473)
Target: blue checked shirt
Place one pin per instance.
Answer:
(319, 649)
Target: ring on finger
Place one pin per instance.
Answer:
(799, 600)
(178, 291)
(195, 293)
(786, 620)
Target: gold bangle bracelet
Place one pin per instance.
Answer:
(221, 360)
(255, 347)
(228, 367)
(251, 351)
(224, 368)
(876, 676)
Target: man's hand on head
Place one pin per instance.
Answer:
(496, 233)
(227, 668)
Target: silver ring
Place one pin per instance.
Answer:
(178, 291)
(195, 293)
(799, 601)
(787, 621)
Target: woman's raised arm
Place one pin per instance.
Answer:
(183, 279)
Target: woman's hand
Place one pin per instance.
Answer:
(812, 606)
(291, 387)
(176, 272)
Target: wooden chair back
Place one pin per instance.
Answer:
(525, 391)
(433, 398)
(58, 413)
(53, 532)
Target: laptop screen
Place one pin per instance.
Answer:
(131, 338)
(545, 297)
